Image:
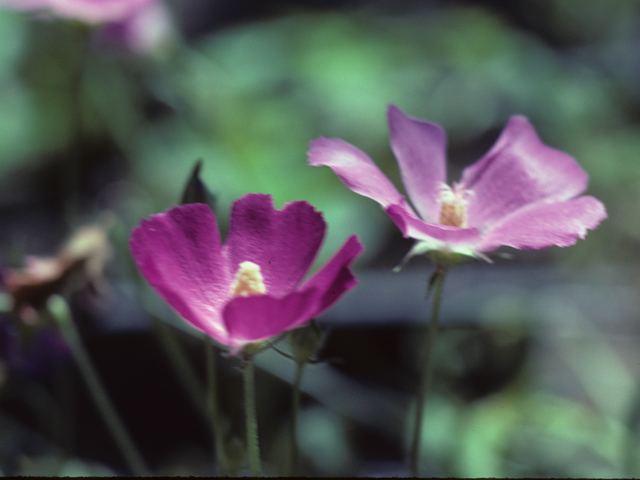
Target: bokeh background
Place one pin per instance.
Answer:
(538, 359)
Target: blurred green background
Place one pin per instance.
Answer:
(538, 363)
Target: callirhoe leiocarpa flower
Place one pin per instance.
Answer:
(521, 193)
(89, 11)
(248, 289)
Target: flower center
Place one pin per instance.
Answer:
(248, 281)
(453, 206)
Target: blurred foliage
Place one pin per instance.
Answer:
(247, 101)
(84, 128)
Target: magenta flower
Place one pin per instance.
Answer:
(89, 11)
(521, 194)
(144, 32)
(248, 289)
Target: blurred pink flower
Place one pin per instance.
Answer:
(25, 5)
(249, 289)
(521, 194)
(80, 263)
(89, 11)
(143, 32)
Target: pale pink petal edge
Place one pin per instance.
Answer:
(545, 224)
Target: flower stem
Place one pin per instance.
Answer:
(250, 416)
(293, 426)
(59, 310)
(216, 427)
(631, 462)
(425, 381)
(180, 364)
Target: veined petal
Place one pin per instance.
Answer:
(420, 148)
(545, 224)
(443, 235)
(335, 278)
(283, 243)
(179, 253)
(356, 170)
(519, 170)
(259, 317)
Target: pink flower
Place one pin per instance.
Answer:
(521, 194)
(248, 289)
(144, 32)
(89, 11)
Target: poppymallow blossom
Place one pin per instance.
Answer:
(137, 26)
(521, 193)
(89, 11)
(248, 289)
(145, 31)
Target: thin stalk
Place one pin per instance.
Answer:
(59, 310)
(425, 381)
(216, 427)
(181, 365)
(293, 425)
(250, 416)
(631, 462)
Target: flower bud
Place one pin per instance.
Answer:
(305, 342)
(195, 191)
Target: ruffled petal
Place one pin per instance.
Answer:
(420, 148)
(356, 170)
(179, 253)
(545, 224)
(442, 236)
(519, 170)
(283, 243)
(259, 317)
(335, 278)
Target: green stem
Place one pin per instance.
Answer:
(426, 373)
(250, 416)
(216, 427)
(633, 435)
(59, 310)
(293, 426)
(181, 366)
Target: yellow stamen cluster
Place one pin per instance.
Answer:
(453, 209)
(248, 281)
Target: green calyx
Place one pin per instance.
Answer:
(449, 259)
(305, 342)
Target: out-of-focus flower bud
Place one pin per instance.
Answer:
(306, 342)
(195, 191)
(79, 263)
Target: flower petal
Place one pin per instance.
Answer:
(335, 278)
(444, 236)
(93, 11)
(179, 253)
(283, 243)
(420, 148)
(259, 317)
(545, 224)
(25, 4)
(519, 170)
(356, 170)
